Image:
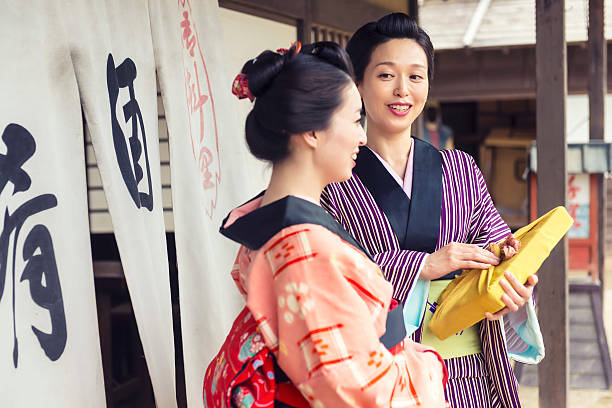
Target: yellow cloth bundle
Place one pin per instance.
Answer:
(466, 299)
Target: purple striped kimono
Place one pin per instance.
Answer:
(449, 203)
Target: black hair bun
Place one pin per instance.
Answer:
(262, 70)
(331, 53)
(296, 91)
(395, 25)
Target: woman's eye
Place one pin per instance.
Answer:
(416, 77)
(385, 76)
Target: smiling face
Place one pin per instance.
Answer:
(395, 86)
(339, 144)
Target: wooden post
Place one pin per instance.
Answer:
(304, 24)
(597, 57)
(597, 69)
(597, 51)
(551, 92)
(417, 125)
(413, 9)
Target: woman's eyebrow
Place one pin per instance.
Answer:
(391, 63)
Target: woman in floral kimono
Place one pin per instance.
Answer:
(425, 215)
(316, 329)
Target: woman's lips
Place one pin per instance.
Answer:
(400, 109)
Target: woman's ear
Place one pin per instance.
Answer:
(311, 139)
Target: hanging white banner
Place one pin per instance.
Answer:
(207, 151)
(49, 347)
(113, 58)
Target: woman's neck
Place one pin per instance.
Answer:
(293, 178)
(393, 148)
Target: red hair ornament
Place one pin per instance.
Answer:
(240, 87)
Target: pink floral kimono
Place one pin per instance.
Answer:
(315, 330)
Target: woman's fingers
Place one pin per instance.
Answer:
(511, 302)
(461, 253)
(524, 291)
(532, 281)
(515, 296)
(498, 315)
(474, 265)
(471, 252)
(455, 256)
(482, 255)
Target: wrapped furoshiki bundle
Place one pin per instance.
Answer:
(466, 299)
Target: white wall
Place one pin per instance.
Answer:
(577, 119)
(245, 36)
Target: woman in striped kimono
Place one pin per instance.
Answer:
(426, 214)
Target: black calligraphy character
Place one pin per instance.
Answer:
(118, 77)
(20, 146)
(41, 267)
(45, 289)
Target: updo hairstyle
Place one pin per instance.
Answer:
(395, 25)
(294, 93)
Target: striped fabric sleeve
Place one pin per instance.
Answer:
(402, 268)
(327, 203)
(486, 225)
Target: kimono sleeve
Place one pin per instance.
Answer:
(400, 267)
(330, 305)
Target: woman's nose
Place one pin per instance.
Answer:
(401, 89)
(363, 138)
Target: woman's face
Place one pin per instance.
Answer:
(339, 143)
(395, 85)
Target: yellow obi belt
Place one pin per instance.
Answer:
(463, 343)
(466, 299)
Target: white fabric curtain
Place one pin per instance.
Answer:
(207, 151)
(112, 51)
(50, 352)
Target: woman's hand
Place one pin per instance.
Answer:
(457, 256)
(516, 294)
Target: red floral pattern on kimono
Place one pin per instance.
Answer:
(243, 373)
(321, 306)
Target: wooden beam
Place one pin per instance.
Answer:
(304, 24)
(287, 12)
(551, 92)
(479, 13)
(504, 74)
(413, 9)
(419, 123)
(597, 57)
(597, 69)
(345, 15)
(342, 15)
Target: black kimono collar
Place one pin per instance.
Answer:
(416, 221)
(257, 227)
